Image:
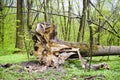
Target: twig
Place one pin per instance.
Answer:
(103, 17)
(56, 14)
(104, 28)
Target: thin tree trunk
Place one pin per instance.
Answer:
(99, 22)
(45, 10)
(19, 28)
(64, 29)
(60, 20)
(29, 27)
(51, 19)
(82, 22)
(1, 25)
(69, 20)
(91, 34)
(29, 4)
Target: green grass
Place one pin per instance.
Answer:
(13, 58)
(75, 69)
(72, 69)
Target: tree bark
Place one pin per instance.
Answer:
(82, 22)
(19, 28)
(45, 10)
(1, 25)
(97, 50)
(64, 27)
(69, 20)
(99, 22)
(29, 4)
(107, 50)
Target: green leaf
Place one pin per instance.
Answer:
(100, 17)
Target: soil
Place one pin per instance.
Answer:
(33, 66)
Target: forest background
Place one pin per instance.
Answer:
(72, 18)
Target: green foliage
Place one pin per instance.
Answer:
(63, 30)
(13, 58)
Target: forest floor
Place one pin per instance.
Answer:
(70, 70)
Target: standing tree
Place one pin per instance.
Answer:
(82, 22)
(69, 19)
(1, 25)
(19, 28)
(46, 10)
(91, 33)
(64, 21)
(29, 5)
(99, 22)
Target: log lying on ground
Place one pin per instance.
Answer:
(97, 49)
(107, 50)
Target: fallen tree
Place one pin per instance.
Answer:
(98, 50)
(53, 52)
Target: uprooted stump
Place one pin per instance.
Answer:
(49, 52)
(53, 52)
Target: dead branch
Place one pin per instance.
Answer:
(72, 17)
(92, 66)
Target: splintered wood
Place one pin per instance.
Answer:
(50, 50)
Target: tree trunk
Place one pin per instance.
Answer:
(64, 27)
(107, 50)
(29, 4)
(45, 10)
(82, 22)
(1, 25)
(19, 28)
(99, 22)
(91, 35)
(69, 20)
(97, 49)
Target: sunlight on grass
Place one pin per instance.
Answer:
(13, 58)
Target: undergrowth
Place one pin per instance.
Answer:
(71, 70)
